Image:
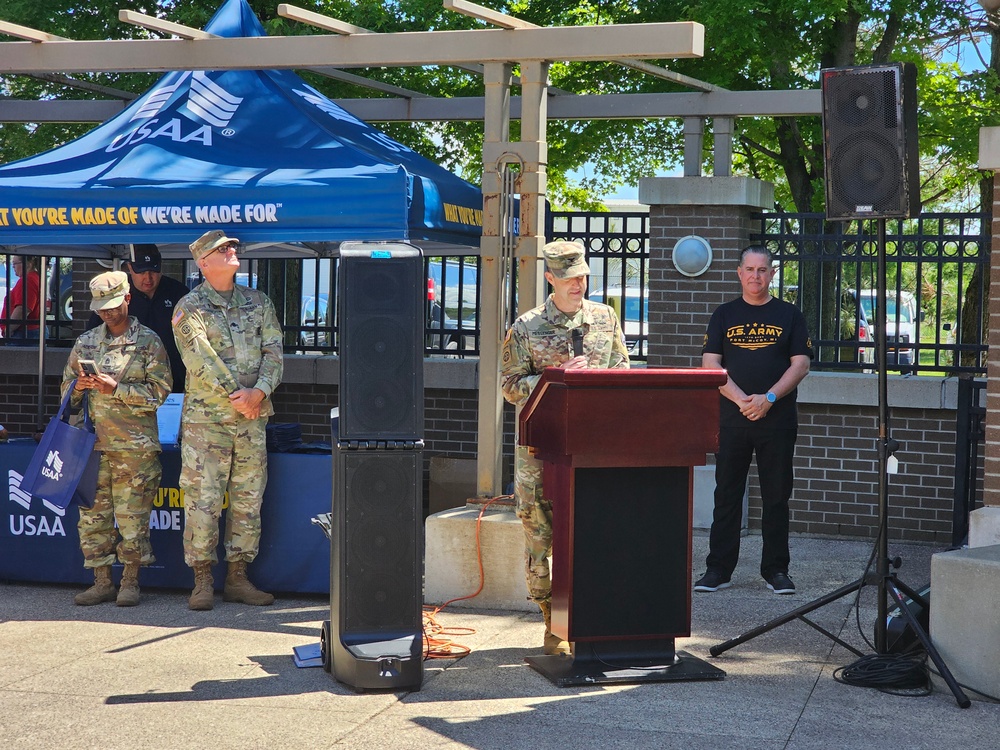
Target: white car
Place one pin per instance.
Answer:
(315, 315)
(633, 312)
(901, 328)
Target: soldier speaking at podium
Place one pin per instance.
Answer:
(566, 331)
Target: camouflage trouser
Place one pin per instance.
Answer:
(535, 512)
(127, 483)
(216, 459)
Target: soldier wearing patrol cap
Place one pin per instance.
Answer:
(154, 297)
(542, 338)
(231, 343)
(132, 380)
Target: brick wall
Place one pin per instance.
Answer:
(836, 470)
(991, 478)
(679, 306)
(836, 480)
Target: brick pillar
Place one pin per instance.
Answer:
(717, 209)
(984, 523)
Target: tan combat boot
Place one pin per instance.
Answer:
(239, 589)
(103, 589)
(128, 589)
(204, 587)
(553, 644)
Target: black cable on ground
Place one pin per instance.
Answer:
(896, 674)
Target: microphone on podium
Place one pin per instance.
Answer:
(577, 335)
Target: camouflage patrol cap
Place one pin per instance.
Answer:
(565, 259)
(108, 290)
(208, 242)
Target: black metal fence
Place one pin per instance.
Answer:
(617, 245)
(936, 293)
(970, 437)
(936, 297)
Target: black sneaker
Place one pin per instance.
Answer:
(713, 580)
(780, 583)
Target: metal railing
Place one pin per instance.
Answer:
(617, 245)
(970, 436)
(937, 270)
(311, 325)
(936, 288)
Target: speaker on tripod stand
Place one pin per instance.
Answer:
(374, 638)
(870, 150)
(870, 142)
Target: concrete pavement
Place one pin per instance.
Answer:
(159, 676)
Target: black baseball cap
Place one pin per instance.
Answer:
(145, 258)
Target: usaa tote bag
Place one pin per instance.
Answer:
(62, 458)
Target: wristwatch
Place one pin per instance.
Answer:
(771, 398)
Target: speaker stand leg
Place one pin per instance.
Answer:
(893, 588)
(623, 661)
(800, 615)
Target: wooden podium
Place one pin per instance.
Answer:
(619, 447)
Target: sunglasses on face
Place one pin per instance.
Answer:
(234, 246)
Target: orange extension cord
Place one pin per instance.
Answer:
(436, 643)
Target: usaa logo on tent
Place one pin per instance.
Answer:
(206, 101)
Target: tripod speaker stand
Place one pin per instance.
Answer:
(884, 577)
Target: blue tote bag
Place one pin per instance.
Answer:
(64, 466)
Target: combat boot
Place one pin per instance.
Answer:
(239, 589)
(103, 589)
(553, 644)
(128, 589)
(202, 598)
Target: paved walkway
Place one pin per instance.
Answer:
(161, 677)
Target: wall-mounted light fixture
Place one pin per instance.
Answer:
(692, 255)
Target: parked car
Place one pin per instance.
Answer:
(452, 294)
(902, 325)
(3, 283)
(315, 315)
(59, 305)
(633, 312)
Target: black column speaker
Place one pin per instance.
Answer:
(381, 295)
(375, 637)
(870, 141)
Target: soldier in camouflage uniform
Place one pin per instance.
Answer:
(133, 380)
(538, 339)
(230, 340)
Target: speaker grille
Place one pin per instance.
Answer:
(378, 510)
(381, 345)
(868, 168)
(870, 142)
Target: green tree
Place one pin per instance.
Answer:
(781, 44)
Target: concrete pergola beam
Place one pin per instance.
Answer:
(404, 49)
(433, 109)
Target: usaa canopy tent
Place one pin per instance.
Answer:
(258, 153)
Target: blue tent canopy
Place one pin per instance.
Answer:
(259, 154)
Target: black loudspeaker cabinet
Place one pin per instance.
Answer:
(382, 294)
(375, 635)
(870, 141)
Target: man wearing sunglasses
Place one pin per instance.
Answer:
(231, 343)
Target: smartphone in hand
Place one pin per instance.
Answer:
(89, 367)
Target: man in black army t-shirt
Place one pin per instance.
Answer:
(763, 344)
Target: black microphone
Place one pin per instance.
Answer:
(577, 335)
